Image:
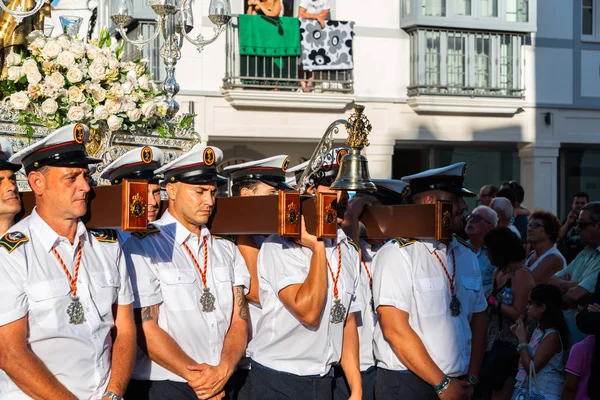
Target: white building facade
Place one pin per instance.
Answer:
(510, 86)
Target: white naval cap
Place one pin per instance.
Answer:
(329, 169)
(391, 191)
(65, 147)
(6, 152)
(268, 170)
(199, 165)
(138, 163)
(450, 179)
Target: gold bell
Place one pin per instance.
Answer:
(353, 174)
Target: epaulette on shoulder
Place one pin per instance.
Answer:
(403, 242)
(105, 235)
(151, 229)
(353, 244)
(12, 240)
(464, 243)
(231, 238)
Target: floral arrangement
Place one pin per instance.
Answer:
(64, 80)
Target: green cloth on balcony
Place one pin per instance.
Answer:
(269, 36)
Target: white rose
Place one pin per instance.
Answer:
(134, 114)
(64, 41)
(19, 100)
(77, 48)
(97, 71)
(29, 66)
(127, 87)
(101, 112)
(49, 106)
(34, 77)
(74, 75)
(102, 60)
(128, 105)
(56, 79)
(76, 95)
(113, 63)
(144, 82)
(51, 49)
(38, 43)
(113, 106)
(49, 90)
(13, 59)
(98, 95)
(114, 123)
(15, 73)
(132, 75)
(92, 52)
(148, 109)
(66, 59)
(117, 91)
(75, 113)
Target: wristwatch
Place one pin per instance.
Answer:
(472, 379)
(112, 396)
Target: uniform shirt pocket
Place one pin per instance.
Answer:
(179, 289)
(48, 302)
(106, 290)
(471, 288)
(431, 296)
(223, 291)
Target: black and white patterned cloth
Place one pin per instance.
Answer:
(328, 48)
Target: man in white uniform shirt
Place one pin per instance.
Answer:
(10, 202)
(389, 192)
(254, 178)
(189, 289)
(307, 288)
(66, 320)
(432, 327)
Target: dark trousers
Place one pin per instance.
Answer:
(400, 385)
(238, 387)
(341, 390)
(159, 390)
(268, 384)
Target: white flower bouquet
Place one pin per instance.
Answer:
(65, 80)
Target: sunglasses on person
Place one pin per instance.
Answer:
(584, 223)
(477, 218)
(535, 225)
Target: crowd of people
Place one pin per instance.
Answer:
(176, 312)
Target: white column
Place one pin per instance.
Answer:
(379, 156)
(539, 175)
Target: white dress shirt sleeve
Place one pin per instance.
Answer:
(14, 304)
(241, 276)
(392, 281)
(282, 264)
(125, 290)
(144, 281)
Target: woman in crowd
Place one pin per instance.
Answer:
(270, 8)
(547, 343)
(542, 233)
(512, 282)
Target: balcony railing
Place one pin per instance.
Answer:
(277, 73)
(466, 63)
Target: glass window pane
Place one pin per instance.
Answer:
(587, 23)
(406, 7)
(462, 7)
(506, 63)
(456, 60)
(434, 8)
(432, 58)
(482, 62)
(517, 10)
(488, 8)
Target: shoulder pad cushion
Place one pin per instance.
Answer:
(105, 235)
(353, 244)
(403, 242)
(464, 243)
(231, 238)
(12, 240)
(151, 229)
